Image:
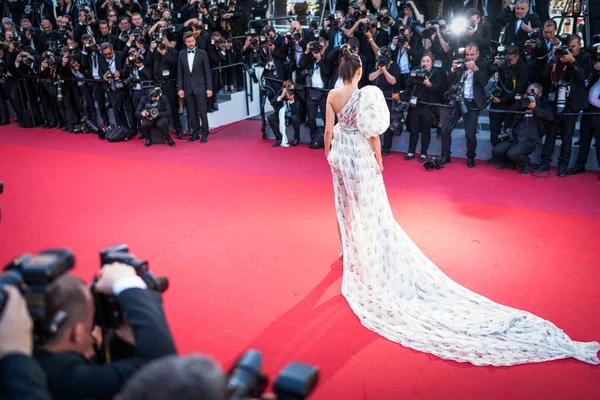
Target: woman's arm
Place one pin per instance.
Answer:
(376, 146)
(329, 121)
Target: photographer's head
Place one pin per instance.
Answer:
(104, 28)
(107, 51)
(536, 88)
(124, 24)
(575, 44)
(513, 53)
(427, 61)
(474, 16)
(471, 52)
(350, 69)
(75, 334)
(549, 29)
(194, 377)
(521, 8)
(46, 27)
(155, 95)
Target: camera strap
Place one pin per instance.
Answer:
(561, 75)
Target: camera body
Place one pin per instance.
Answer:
(561, 51)
(419, 74)
(109, 314)
(506, 136)
(524, 100)
(35, 276)
(455, 97)
(333, 21)
(315, 47)
(402, 39)
(502, 60)
(432, 162)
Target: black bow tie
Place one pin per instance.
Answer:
(191, 51)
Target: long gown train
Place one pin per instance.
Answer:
(396, 291)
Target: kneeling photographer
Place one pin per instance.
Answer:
(385, 77)
(64, 343)
(517, 143)
(424, 84)
(155, 112)
(287, 111)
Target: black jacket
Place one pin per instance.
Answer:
(508, 19)
(200, 79)
(543, 115)
(22, 378)
(575, 74)
(513, 80)
(432, 94)
(164, 109)
(71, 376)
(480, 80)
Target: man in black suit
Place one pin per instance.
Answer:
(65, 358)
(114, 62)
(20, 376)
(159, 118)
(526, 133)
(194, 82)
(479, 32)
(473, 78)
(289, 100)
(572, 68)
(518, 23)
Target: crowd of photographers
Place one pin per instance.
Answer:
(63, 339)
(434, 70)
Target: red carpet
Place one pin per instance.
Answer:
(246, 234)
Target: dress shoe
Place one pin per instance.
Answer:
(492, 160)
(445, 160)
(148, 143)
(525, 170)
(512, 167)
(542, 168)
(409, 157)
(577, 170)
(170, 141)
(194, 137)
(204, 139)
(277, 143)
(295, 142)
(423, 157)
(385, 152)
(470, 163)
(500, 165)
(179, 134)
(562, 171)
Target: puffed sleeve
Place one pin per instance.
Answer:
(373, 113)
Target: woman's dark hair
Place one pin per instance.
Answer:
(349, 64)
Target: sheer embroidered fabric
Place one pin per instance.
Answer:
(396, 291)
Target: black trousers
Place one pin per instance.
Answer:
(517, 152)
(420, 120)
(295, 121)
(121, 105)
(100, 96)
(590, 127)
(196, 104)
(169, 90)
(317, 99)
(470, 124)
(566, 126)
(162, 124)
(499, 122)
(388, 135)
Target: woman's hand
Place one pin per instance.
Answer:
(380, 164)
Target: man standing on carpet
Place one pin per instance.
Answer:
(194, 82)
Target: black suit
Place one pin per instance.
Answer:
(71, 376)
(195, 84)
(119, 99)
(526, 135)
(22, 378)
(478, 102)
(165, 72)
(482, 37)
(295, 118)
(511, 35)
(161, 121)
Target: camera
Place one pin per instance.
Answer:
(462, 60)
(595, 52)
(135, 60)
(383, 60)
(402, 39)
(246, 379)
(35, 276)
(294, 35)
(455, 97)
(561, 51)
(502, 59)
(315, 47)
(506, 136)
(563, 90)
(419, 74)
(398, 110)
(524, 100)
(90, 47)
(151, 113)
(114, 84)
(109, 314)
(425, 33)
(333, 21)
(432, 162)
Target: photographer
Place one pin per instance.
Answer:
(334, 30)
(518, 23)
(590, 124)
(567, 72)
(293, 46)
(404, 54)
(93, 88)
(479, 32)
(51, 94)
(516, 146)
(165, 73)
(71, 375)
(155, 111)
(317, 72)
(20, 376)
(513, 76)
(385, 76)
(371, 39)
(111, 64)
(425, 84)
(468, 79)
(541, 51)
(288, 108)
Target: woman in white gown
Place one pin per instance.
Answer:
(393, 288)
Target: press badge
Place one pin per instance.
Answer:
(166, 73)
(413, 101)
(437, 64)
